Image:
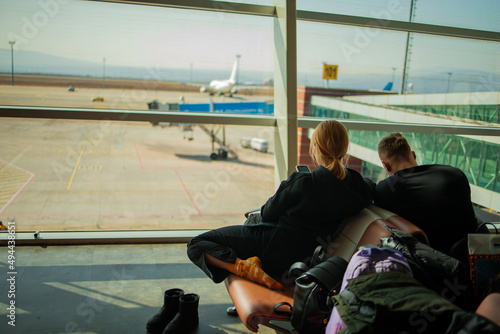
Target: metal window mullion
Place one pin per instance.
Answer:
(136, 115)
(479, 162)
(285, 89)
(232, 119)
(312, 122)
(470, 162)
(435, 149)
(206, 5)
(496, 177)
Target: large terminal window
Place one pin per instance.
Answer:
(420, 67)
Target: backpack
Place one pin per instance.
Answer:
(312, 305)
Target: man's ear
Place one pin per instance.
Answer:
(386, 166)
(414, 155)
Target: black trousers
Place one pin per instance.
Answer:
(227, 243)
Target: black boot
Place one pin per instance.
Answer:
(160, 320)
(187, 319)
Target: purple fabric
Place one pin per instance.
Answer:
(368, 261)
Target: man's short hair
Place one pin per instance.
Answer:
(393, 146)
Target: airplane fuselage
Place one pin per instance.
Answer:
(219, 87)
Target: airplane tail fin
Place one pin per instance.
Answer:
(235, 69)
(388, 87)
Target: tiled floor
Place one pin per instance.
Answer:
(106, 289)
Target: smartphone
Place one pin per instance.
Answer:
(302, 168)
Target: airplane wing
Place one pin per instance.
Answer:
(253, 87)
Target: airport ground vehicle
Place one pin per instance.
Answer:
(220, 153)
(245, 142)
(257, 144)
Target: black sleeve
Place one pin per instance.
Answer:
(371, 186)
(470, 214)
(276, 206)
(384, 195)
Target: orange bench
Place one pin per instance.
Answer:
(255, 303)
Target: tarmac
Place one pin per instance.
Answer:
(66, 175)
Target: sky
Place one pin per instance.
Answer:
(157, 37)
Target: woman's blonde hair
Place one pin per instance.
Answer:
(331, 141)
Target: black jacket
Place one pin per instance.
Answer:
(436, 198)
(307, 208)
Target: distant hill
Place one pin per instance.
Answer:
(39, 63)
(431, 80)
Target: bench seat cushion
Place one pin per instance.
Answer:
(255, 303)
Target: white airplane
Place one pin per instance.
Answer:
(223, 87)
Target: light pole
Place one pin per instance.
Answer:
(104, 72)
(407, 52)
(12, 58)
(238, 69)
(449, 78)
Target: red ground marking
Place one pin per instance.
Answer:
(187, 192)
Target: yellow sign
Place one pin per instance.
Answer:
(330, 72)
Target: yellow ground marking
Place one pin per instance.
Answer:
(78, 162)
(7, 193)
(12, 180)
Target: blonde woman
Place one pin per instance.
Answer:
(306, 208)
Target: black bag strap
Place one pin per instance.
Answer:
(285, 313)
(296, 270)
(328, 273)
(485, 223)
(319, 256)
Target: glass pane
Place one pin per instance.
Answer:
(103, 175)
(371, 58)
(448, 65)
(366, 59)
(489, 166)
(392, 10)
(480, 15)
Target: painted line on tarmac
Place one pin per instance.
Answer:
(91, 167)
(78, 162)
(132, 215)
(11, 187)
(272, 190)
(138, 155)
(187, 192)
